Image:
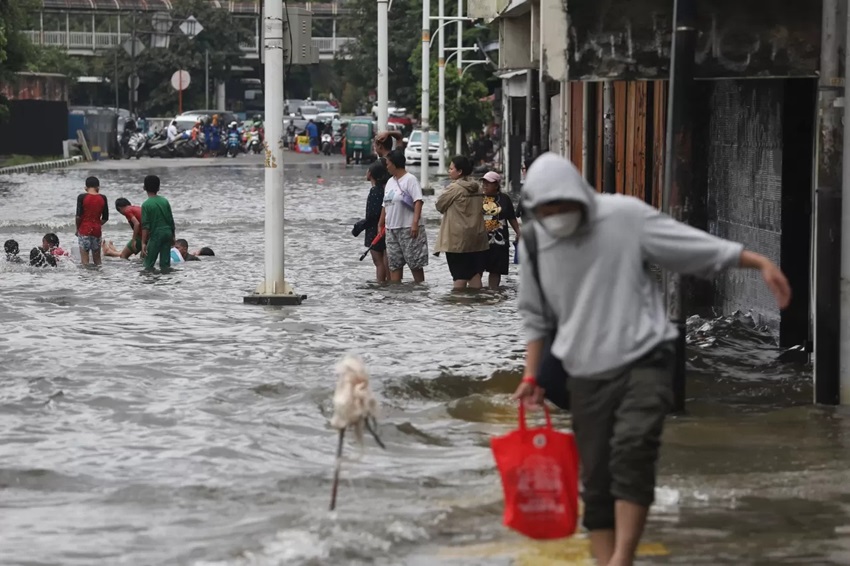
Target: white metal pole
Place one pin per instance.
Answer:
(585, 129)
(441, 62)
(207, 78)
(426, 82)
(383, 64)
(459, 58)
(274, 289)
(844, 329)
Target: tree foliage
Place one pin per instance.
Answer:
(155, 66)
(15, 49)
(46, 59)
(471, 111)
(405, 33)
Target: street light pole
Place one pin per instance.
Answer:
(426, 82)
(132, 105)
(678, 169)
(458, 132)
(207, 78)
(274, 289)
(441, 63)
(383, 64)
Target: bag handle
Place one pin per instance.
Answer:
(522, 425)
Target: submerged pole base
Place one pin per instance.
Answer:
(258, 299)
(287, 297)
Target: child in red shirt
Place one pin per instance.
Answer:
(92, 213)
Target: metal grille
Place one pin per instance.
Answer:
(745, 186)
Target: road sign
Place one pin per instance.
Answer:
(191, 27)
(161, 22)
(180, 80)
(128, 46)
(133, 82)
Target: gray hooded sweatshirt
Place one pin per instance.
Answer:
(608, 306)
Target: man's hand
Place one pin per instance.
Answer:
(772, 275)
(144, 251)
(530, 394)
(777, 283)
(414, 231)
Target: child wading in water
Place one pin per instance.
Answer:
(92, 213)
(157, 227)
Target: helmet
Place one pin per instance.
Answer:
(232, 125)
(258, 118)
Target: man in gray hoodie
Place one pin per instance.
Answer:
(597, 297)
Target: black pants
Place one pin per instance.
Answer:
(618, 424)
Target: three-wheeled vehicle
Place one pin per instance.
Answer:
(358, 142)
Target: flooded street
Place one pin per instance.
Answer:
(155, 419)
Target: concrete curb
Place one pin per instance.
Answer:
(43, 166)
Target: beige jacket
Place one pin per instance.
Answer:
(462, 229)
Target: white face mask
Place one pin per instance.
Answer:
(562, 225)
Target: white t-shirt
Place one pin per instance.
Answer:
(399, 215)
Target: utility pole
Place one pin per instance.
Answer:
(383, 64)
(609, 176)
(459, 56)
(830, 265)
(117, 99)
(274, 290)
(207, 78)
(441, 64)
(426, 82)
(678, 168)
(844, 363)
(133, 91)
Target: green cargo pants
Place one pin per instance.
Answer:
(159, 244)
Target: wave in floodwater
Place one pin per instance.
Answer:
(155, 419)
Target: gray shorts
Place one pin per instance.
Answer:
(89, 243)
(618, 424)
(403, 250)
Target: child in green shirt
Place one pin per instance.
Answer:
(157, 227)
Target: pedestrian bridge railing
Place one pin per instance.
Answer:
(87, 43)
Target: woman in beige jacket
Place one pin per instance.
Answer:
(463, 237)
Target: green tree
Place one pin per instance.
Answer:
(360, 68)
(351, 97)
(45, 59)
(472, 112)
(15, 49)
(221, 35)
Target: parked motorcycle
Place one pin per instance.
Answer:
(136, 145)
(160, 146)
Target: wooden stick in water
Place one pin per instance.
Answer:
(337, 468)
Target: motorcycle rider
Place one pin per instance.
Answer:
(172, 132)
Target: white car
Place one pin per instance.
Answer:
(413, 151)
(392, 110)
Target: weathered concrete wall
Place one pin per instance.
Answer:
(743, 156)
(553, 20)
(515, 42)
(631, 39)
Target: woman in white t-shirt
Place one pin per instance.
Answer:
(407, 243)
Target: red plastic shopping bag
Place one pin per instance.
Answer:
(539, 469)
